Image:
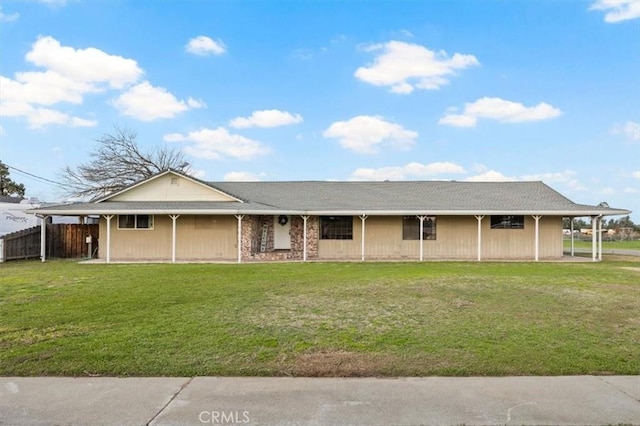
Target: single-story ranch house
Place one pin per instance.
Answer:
(174, 217)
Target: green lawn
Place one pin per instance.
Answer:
(606, 245)
(320, 319)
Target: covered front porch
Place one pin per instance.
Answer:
(182, 237)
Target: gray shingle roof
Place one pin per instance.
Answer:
(405, 195)
(350, 198)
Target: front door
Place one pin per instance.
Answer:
(282, 232)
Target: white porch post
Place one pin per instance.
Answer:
(363, 217)
(479, 236)
(108, 217)
(573, 247)
(173, 217)
(239, 217)
(600, 238)
(43, 238)
(421, 219)
(537, 243)
(594, 237)
(304, 237)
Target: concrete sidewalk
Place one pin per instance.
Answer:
(570, 400)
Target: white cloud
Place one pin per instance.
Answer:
(607, 191)
(266, 118)
(636, 174)
(405, 67)
(195, 103)
(458, 120)
(631, 190)
(630, 129)
(408, 171)
(8, 17)
(43, 116)
(551, 177)
(205, 46)
(568, 178)
(617, 10)
(499, 110)
(81, 122)
(218, 143)
(40, 117)
(147, 103)
(241, 177)
(15, 109)
(44, 88)
(490, 176)
(89, 65)
(69, 75)
(365, 134)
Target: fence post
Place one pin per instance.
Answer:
(43, 239)
(1, 250)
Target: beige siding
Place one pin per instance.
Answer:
(457, 238)
(172, 188)
(520, 243)
(207, 237)
(342, 249)
(197, 238)
(215, 238)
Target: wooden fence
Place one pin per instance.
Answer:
(24, 244)
(62, 241)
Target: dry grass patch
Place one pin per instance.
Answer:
(339, 363)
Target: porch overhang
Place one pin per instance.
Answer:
(105, 208)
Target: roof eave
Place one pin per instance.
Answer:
(200, 211)
(564, 213)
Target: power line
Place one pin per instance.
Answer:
(35, 176)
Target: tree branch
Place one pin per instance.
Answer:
(117, 162)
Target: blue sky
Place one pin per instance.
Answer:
(332, 90)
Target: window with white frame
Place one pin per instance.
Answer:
(507, 222)
(411, 228)
(336, 227)
(135, 221)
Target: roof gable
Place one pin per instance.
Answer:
(170, 186)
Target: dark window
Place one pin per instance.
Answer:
(336, 227)
(127, 221)
(411, 228)
(135, 221)
(507, 222)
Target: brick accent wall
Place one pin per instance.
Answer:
(252, 230)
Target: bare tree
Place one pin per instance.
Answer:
(118, 162)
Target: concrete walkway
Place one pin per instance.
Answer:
(570, 400)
